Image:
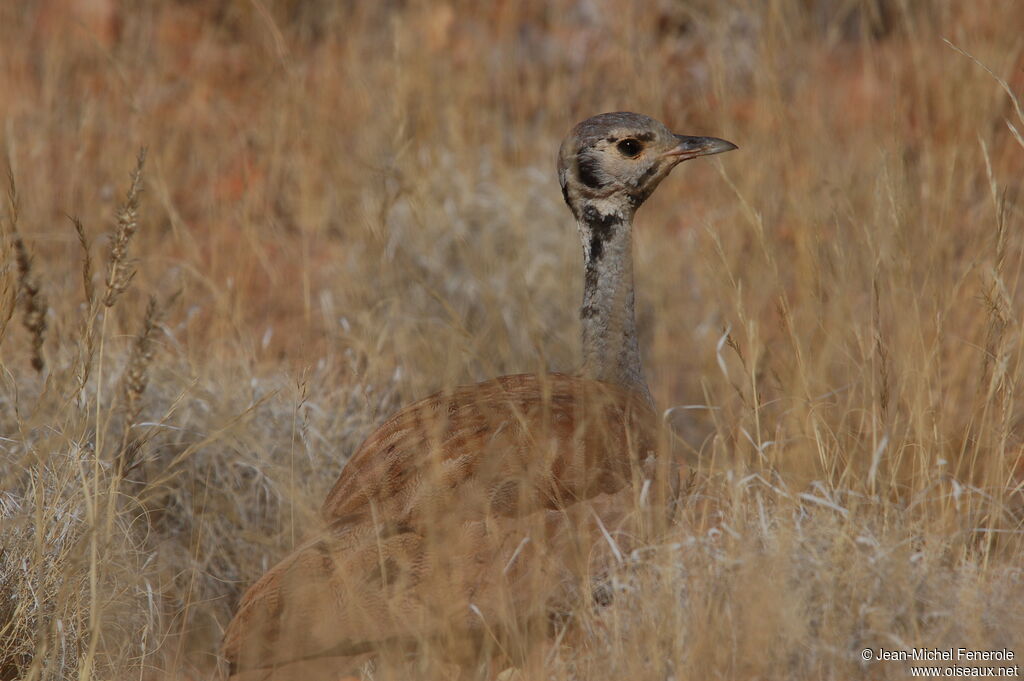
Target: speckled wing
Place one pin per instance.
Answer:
(470, 506)
(509, 446)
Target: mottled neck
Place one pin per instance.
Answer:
(610, 349)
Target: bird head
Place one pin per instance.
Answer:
(616, 160)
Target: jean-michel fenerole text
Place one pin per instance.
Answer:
(951, 654)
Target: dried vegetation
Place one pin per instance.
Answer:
(346, 206)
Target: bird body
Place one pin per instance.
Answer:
(430, 516)
(548, 435)
(482, 508)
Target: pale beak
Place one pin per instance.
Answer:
(692, 147)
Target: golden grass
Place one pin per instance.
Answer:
(349, 206)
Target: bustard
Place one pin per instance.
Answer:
(474, 509)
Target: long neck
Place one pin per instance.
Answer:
(610, 350)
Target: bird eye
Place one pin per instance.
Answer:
(630, 147)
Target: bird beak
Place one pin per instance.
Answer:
(692, 147)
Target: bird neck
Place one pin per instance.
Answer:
(610, 349)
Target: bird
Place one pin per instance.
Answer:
(469, 514)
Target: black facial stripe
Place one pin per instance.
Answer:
(588, 171)
(640, 189)
(639, 182)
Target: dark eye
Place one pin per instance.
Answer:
(630, 147)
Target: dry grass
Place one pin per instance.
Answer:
(347, 206)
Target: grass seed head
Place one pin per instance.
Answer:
(120, 271)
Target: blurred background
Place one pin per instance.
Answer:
(348, 205)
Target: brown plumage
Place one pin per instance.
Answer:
(481, 509)
(427, 515)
